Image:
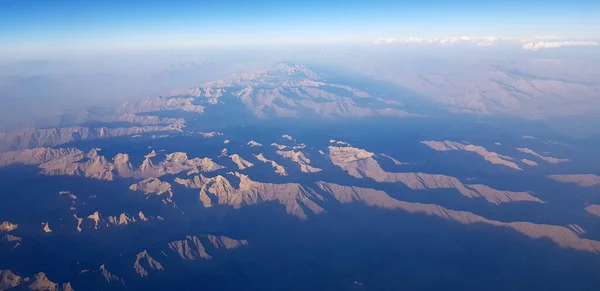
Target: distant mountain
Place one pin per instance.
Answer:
(536, 88)
(283, 90)
(292, 91)
(11, 281)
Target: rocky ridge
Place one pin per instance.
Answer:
(529, 162)
(360, 163)
(194, 247)
(298, 199)
(175, 163)
(550, 160)
(99, 221)
(299, 158)
(583, 180)
(33, 138)
(156, 104)
(240, 162)
(219, 191)
(155, 186)
(396, 162)
(278, 168)
(110, 277)
(90, 165)
(8, 226)
(73, 162)
(12, 240)
(593, 209)
(36, 156)
(38, 282)
(253, 143)
(137, 119)
(46, 227)
(491, 157)
(560, 235)
(144, 264)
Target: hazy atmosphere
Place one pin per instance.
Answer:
(299, 145)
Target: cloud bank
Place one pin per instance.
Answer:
(529, 44)
(534, 46)
(477, 40)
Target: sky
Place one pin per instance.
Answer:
(39, 26)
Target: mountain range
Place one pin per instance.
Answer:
(285, 172)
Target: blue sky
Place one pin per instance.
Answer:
(38, 25)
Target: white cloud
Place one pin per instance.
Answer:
(385, 40)
(476, 40)
(540, 38)
(530, 43)
(534, 46)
